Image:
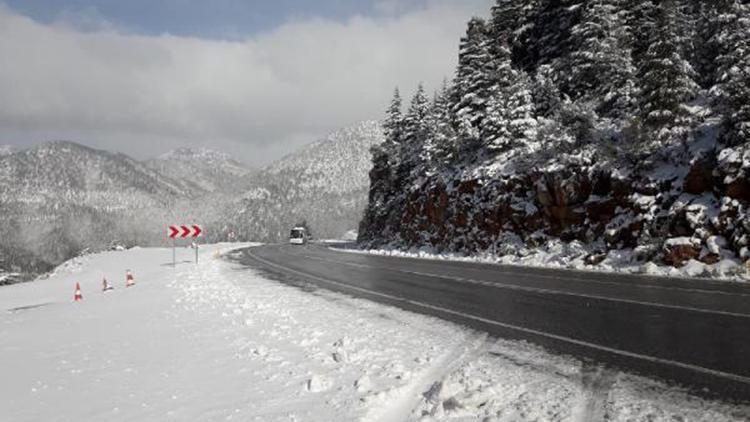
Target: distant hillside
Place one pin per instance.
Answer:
(60, 198)
(202, 169)
(324, 183)
(6, 149)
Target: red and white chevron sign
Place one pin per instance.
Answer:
(184, 231)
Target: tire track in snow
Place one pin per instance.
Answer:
(403, 400)
(597, 382)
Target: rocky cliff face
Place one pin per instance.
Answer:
(686, 208)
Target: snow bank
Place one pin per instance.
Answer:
(217, 342)
(572, 256)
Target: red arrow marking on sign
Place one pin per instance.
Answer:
(197, 231)
(173, 231)
(185, 231)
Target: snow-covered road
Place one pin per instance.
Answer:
(214, 342)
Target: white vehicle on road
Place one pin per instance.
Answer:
(298, 236)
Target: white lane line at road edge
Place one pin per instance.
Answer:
(555, 277)
(518, 268)
(509, 286)
(625, 353)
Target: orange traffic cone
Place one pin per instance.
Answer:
(105, 285)
(78, 295)
(129, 280)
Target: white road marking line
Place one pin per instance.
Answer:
(509, 286)
(652, 359)
(555, 277)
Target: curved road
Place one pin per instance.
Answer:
(692, 331)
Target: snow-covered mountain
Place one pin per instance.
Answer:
(203, 169)
(6, 149)
(338, 163)
(66, 169)
(324, 183)
(60, 198)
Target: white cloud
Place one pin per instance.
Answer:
(257, 98)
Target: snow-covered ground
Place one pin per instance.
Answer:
(557, 254)
(216, 342)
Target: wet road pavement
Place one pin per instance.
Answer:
(695, 332)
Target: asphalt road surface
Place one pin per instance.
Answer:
(694, 332)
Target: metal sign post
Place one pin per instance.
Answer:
(173, 232)
(184, 231)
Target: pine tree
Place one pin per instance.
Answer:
(667, 83)
(385, 158)
(544, 91)
(708, 27)
(600, 67)
(733, 73)
(686, 16)
(393, 126)
(520, 113)
(440, 148)
(639, 17)
(509, 119)
(507, 17)
(514, 22)
(493, 131)
(474, 86)
(415, 132)
(553, 24)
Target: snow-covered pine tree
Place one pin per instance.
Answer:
(707, 28)
(639, 18)
(374, 218)
(385, 158)
(494, 130)
(506, 17)
(600, 68)
(732, 79)
(510, 118)
(393, 126)
(415, 132)
(667, 84)
(520, 112)
(393, 130)
(544, 91)
(552, 30)
(686, 15)
(440, 149)
(514, 22)
(474, 85)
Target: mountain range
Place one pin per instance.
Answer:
(324, 184)
(203, 170)
(61, 199)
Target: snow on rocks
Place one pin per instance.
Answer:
(578, 256)
(679, 250)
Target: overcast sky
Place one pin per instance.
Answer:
(253, 78)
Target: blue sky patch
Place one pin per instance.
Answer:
(216, 19)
